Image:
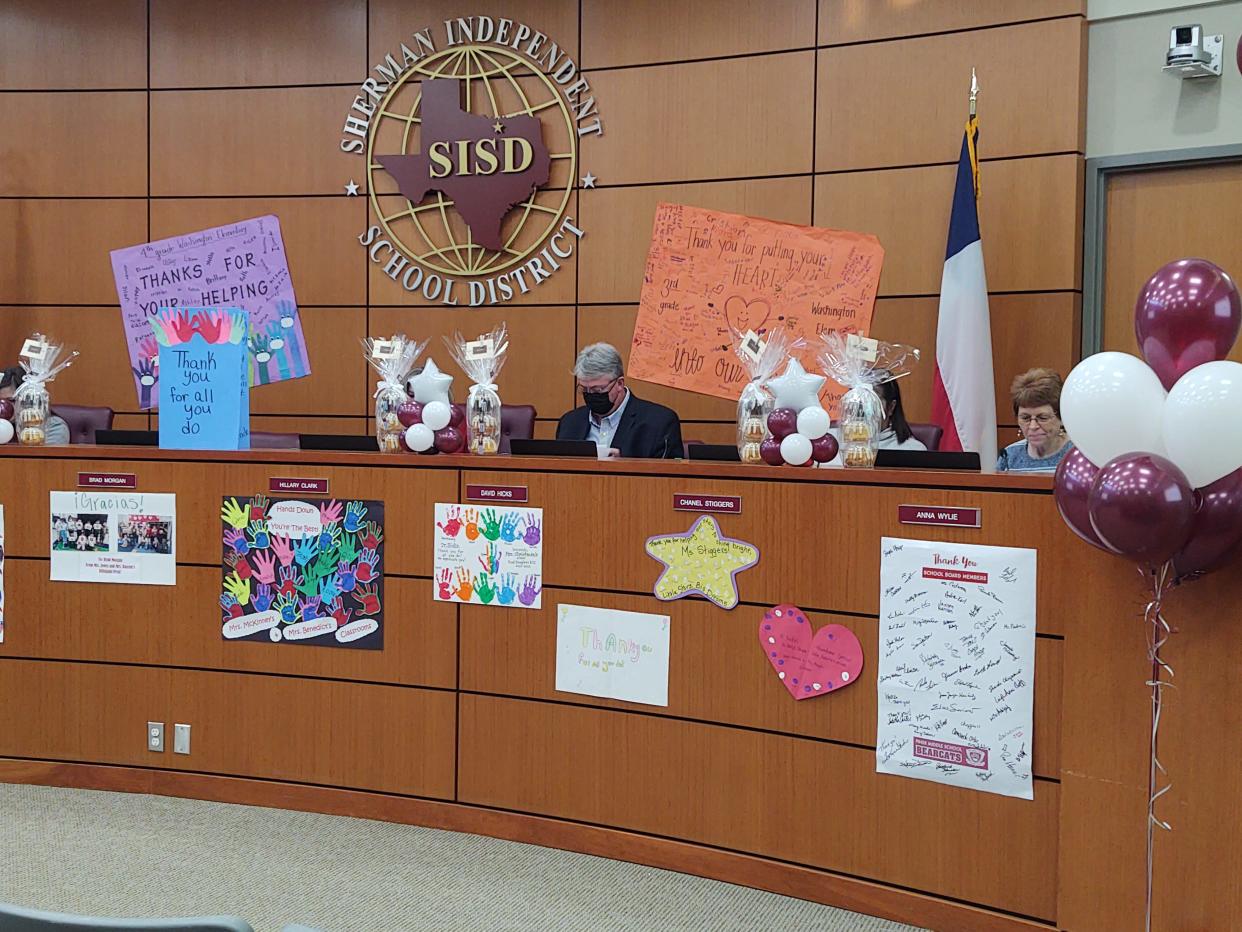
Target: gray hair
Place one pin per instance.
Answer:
(597, 361)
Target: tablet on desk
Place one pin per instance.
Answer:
(519, 447)
(721, 452)
(127, 438)
(926, 459)
(349, 443)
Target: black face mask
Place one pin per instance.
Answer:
(599, 402)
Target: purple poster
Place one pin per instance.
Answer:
(239, 265)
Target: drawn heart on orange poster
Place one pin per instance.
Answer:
(809, 665)
(744, 315)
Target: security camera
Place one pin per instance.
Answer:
(1192, 54)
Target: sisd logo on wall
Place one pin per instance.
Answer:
(471, 152)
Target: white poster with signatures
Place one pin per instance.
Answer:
(957, 664)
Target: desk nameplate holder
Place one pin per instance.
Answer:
(107, 480)
(285, 485)
(940, 515)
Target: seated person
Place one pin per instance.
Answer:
(1037, 405)
(55, 430)
(620, 423)
(895, 432)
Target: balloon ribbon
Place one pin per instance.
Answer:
(1158, 632)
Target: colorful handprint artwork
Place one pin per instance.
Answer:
(237, 266)
(312, 573)
(489, 556)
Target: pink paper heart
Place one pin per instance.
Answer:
(809, 665)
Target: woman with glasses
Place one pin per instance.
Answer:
(1037, 405)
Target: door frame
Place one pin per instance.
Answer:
(1095, 219)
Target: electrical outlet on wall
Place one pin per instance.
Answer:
(155, 736)
(181, 739)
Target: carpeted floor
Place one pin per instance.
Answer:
(118, 854)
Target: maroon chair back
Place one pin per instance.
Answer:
(83, 421)
(515, 421)
(930, 434)
(261, 440)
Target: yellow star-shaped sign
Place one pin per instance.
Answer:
(701, 562)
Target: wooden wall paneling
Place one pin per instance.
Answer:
(1030, 219)
(200, 487)
(700, 782)
(734, 118)
(393, 21)
(320, 234)
(842, 21)
(231, 43)
(89, 44)
(560, 288)
(717, 672)
(1028, 104)
(100, 375)
(649, 31)
(129, 422)
(1142, 234)
(298, 151)
(830, 521)
(67, 145)
(1105, 740)
(1027, 330)
(388, 738)
(182, 628)
(541, 349)
(56, 251)
(337, 383)
(618, 224)
(615, 324)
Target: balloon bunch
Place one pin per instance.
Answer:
(1156, 475)
(798, 423)
(7, 431)
(432, 424)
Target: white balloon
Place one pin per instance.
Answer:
(6, 430)
(813, 422)
(419, 437)
(796, 449)
(1113, 403)
(1203, 422)
(436, 414)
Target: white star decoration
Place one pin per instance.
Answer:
(351, 189)
(431, 384)
(797, 388)
(588, 180)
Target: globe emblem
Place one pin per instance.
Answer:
(496, 84)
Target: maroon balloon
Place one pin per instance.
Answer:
(1074, 478)
(1187, 314)
(782, 422)
(6, 409)
(449, 440)
(457, 415)
(770, 450)
(1142, 506)
(410, 413)
(824, 448)
(1216, 536)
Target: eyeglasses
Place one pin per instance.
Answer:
(602, 389)
(1043, 420)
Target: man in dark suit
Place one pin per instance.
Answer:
(620, 423)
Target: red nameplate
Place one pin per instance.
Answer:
(284, 485)
(935, 514)
(107, 480)
(496, 493)
(720, 504)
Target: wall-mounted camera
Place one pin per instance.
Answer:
(1192, 54)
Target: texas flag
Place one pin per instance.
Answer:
(963, 392)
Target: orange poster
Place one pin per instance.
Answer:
(710, 273)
